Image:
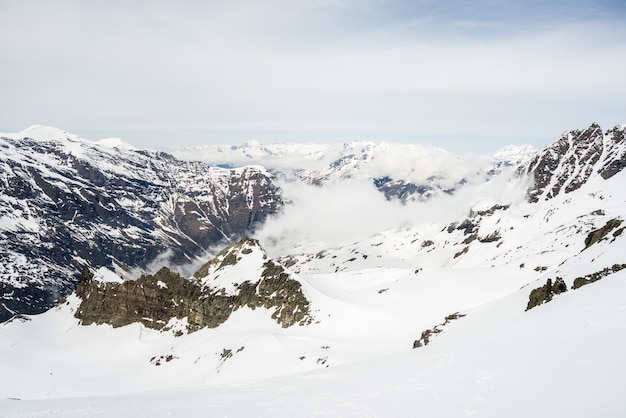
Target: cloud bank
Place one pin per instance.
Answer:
(455, 74)
(341, 213)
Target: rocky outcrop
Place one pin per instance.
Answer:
(600, 233)
(437, 329)
(594, 277)
(158, 301)
(152, 300)
(546, 292)
(569, 163)
(66, 202)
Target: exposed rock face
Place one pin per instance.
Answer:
(428, 333)
(594, 277)
(615, 158)
(568, 163)
(546, 292)
(66, 202)
(598, 234)
(151, 300)
(155, 300)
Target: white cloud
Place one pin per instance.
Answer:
(335, 214)
(341, 213)
(408, 162)
(339, 68)
(418, 164)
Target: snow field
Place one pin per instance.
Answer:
(559, 359)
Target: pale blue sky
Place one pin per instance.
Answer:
(465, 76)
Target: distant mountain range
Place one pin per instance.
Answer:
(401, 171)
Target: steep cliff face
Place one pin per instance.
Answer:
(576, 157)
(66, 202)
(615, 155)
(166, 301)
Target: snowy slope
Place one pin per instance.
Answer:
(559, 359)
(351, 317)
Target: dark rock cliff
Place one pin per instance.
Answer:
(546, 292)
(154, 300)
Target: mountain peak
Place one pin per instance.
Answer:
(46, 133)
(574, 158)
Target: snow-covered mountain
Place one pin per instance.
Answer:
(577, 157)
(66, 202)
(401, 171)
(504, 298)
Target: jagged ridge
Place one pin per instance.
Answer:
(573, 159)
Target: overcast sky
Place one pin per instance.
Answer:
(462, 75)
